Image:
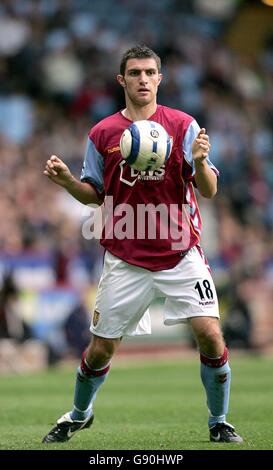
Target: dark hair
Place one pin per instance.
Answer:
(138, 52)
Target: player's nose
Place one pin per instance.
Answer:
(143, 77)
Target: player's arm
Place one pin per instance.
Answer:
(205, 177)
(58, 172)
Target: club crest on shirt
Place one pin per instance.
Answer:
(96, 316)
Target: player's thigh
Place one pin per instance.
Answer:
(189, 290)
(124, 294)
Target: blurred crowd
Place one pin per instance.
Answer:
(58, 61)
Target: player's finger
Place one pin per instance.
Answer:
(56, 159)
(51, 171)
(202, 131)
(49, 174)
(57, 166)
(202, 142)
(52, 165)
(203, 139)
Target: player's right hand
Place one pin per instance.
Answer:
(57, 171)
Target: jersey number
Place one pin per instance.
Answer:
(207, 289)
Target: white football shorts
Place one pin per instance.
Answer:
(125, 292)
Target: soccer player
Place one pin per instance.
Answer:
(137, 270)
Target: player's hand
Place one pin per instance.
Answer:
(57, 171)
(201, 146)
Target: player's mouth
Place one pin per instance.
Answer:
(143, 90)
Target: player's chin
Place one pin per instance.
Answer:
(143, 100)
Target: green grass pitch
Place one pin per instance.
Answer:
(143, 405)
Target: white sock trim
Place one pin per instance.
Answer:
(96, 370)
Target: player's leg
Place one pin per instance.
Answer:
(191, 296)
(215, 375)
(215, 370)
(91, 374)
(123, 296)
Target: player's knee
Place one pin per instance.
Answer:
(211, 342)
(101, 350)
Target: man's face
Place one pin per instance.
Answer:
(141, 81)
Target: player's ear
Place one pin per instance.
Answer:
(160, 77)
(120, 79)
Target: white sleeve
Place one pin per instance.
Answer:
(93, 166)
(190, 136)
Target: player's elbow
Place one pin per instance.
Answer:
(208, 191)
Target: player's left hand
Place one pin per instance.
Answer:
(201, 146)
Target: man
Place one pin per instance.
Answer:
(138, 270)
